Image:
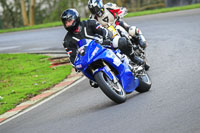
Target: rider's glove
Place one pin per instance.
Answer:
(76, 70)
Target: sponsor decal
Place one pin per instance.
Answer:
(116, 61)
(95, 51)
(98, 26)
(79, 66)
(69, 52)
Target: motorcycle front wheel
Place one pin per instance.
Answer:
(113, 90)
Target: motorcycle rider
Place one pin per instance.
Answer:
(89, 29)
(111, 14)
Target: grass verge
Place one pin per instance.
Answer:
(23, 76)
(132, 14)
(163, 10)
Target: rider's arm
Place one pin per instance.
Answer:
(99, 29)
(124, 24)
(71, 48)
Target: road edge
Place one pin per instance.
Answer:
(71, 79)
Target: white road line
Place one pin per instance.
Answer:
(9, 47)
(44, 101)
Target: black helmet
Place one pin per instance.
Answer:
(68, 15)
(96, 7)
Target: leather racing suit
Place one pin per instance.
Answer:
(90, 29)
(113, 15)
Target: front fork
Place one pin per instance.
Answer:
(107, 71)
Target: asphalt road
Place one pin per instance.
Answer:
(171, 106)
(33, 41)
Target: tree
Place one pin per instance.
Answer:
(24, 14)
(31, 12)
(11, 14)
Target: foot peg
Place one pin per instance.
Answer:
(93, 84)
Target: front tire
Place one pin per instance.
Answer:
(113, 90)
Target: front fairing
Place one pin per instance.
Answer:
(92, 50)
(126, 77)
(95, 52)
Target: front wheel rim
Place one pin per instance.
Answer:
(115, 87)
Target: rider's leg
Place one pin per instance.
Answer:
(135, 33)
(138, 37)
(126, 47)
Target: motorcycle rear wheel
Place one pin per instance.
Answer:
(113, 90)
(144, 83)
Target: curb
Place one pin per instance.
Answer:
(34, 100)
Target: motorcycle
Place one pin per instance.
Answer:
(111, 70)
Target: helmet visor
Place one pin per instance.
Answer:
(69, 22)
(68, 18)
(95, 10)
(100, 13)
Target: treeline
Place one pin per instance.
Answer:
(18, 13)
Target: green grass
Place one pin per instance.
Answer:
(24, 75)
(132, 14)
(163, 10)
(39, 26)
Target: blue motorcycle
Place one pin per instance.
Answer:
(112, 71)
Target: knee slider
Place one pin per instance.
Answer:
(134, 31)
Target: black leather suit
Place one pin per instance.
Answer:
(89, 30)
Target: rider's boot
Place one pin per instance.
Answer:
(93, 84)
(137, 60)
(127, 48)
(140, 61)
(140, 40)
(147, 65)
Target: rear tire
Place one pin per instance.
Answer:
(113, 90)
(144, 83)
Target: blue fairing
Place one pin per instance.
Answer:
(94, 52)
